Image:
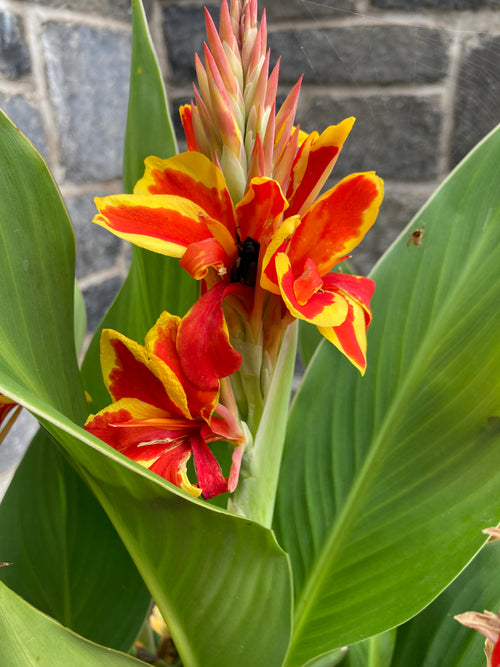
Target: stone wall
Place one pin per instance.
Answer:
(423, 80)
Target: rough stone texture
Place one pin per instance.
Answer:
(184, 29)
(27, 118)
(306, 9)
(120, 9)
(98, 298)
(397, 210)
(97, 249)
(396, 135)
(477, 108)
(375, 55)
(88, 72)
(15, 59)
(440, 5)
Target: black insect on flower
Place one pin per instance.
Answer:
(244, 269)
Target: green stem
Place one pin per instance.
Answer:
(255, 495)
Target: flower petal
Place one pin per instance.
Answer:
(129, 371)
(146, 435)
(165, 224)
(192, 176)
(260, 209)
(208, 472)
(6, 405)
(336, 222)
(203, 342)
(278, 243)
(350, 336)
(325, 308)
(201, 256)
(161, 341)
(315, 160)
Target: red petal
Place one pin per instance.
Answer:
(192, 176)
(203, 342)
(201, 256)
(495, 656)
(260, 209)
(208, 472)
(336, 222)
(185, 112)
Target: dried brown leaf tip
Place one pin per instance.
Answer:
(488, 624)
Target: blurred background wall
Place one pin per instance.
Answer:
(422, 78)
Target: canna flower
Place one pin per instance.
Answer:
(165, 405)
(242, 206)
(182, 208)
(488, 624)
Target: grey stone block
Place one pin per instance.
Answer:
(27, 118)
(96, 248)
(184, 30)
(374, 55)
(397, 210)
(440, 5)
(306, 9)
(398, 136)
(15, 59)
(98, 298)
(120, 9)
(88, 73)
(477, 107)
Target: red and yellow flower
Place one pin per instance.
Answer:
(182, 208)
(165, 395)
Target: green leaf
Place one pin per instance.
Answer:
(155, 283)
(374, 652)
(37, 347)
(387, 479)
(434, 637)
(66, 560)
(149, 128)
(210, 573)
(31, 639)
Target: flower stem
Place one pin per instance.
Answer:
(255, 495)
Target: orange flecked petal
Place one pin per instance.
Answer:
(350, 336)
(165, 224)
(201, 256)
(129, 371)
(315, 160)
(308, 283)
(161, 341)
(203, 341)
(336, 222)
(278, 243)
(193, 176)
(324, 308)
(208, 472)
(147, 436)
(260, 209)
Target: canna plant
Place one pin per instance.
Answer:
(171, 470)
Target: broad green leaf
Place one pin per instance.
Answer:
(80, 319)
(387, 479)
(149, 128)
(434, 637)
(210, 573)
(374, 652)
(155, 283)
(51, 559)
(66, 560)
(31, 639)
